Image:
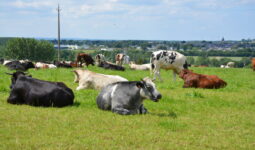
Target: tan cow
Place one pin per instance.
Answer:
(92, 80)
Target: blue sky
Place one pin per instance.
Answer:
(130, 19)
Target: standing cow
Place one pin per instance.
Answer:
(127, 98)
(30, 91)
(99, 58)
(168, 60)
(119, 58)
(84, 58)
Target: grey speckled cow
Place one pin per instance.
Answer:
(126, 98)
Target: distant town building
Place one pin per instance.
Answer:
(67, 47)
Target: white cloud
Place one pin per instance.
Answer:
(32, 4)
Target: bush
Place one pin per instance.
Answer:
(26, 48)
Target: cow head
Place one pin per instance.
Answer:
(15, 76)
(148, 89)
(184, 73)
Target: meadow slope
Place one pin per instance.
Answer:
(182, 119)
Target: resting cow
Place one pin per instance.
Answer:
(201, 81)
(92, 80)
(30, 91)
(168, 60)
(41, 65)
(107, 65)
(127, 98)
(61, 64)
(17, 65)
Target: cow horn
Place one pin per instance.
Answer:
(9, 73)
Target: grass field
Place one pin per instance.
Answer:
(183, 119)
(220, 57)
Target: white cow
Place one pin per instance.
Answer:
(168, 60)
(92, 80)
(231, 64)
(44, 65)
(134, 66)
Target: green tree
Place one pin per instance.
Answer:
(26, 48)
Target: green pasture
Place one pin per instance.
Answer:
(198, 119)
(221, 57)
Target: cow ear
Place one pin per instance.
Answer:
(140, 84)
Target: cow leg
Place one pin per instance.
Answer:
(123, 111)
(142, 110)
(158, 75)
(174, 75)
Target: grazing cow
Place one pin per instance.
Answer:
(201, 81)
(34, 92)
(167, 60)
(16, 65)
(253, 63)
(92, 80)
(61, 64)
(107, 65)
(134, 66)
(99, 58)
(84, 58)
(127, 98)
(119, 58)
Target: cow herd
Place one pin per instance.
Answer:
(116, 93)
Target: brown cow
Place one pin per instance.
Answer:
(201, 81)
(84, 58)
(119, 58)
(253, 63)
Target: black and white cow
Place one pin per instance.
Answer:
(30, 91)
(20, 65)
(168, 60)
(127, 98)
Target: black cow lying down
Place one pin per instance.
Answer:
(126, 98)
(27, 90)
(16, 65)
(107, 65)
